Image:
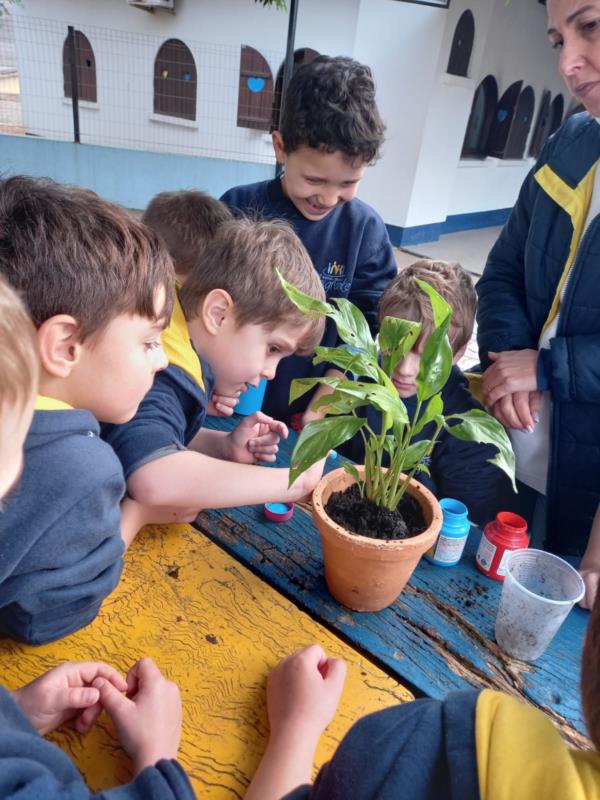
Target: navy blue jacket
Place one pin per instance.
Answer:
(516, 294)
(350, 249)
(32, 768)
(458, 469)
(424, 750)
(60, 531)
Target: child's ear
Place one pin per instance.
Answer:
(459, 354)
(59, 344)
(278, 147)
(217, 308)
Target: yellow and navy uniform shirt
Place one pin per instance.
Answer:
(173, 411)
(520, 754)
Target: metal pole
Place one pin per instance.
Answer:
(288, 64)
(74, 83)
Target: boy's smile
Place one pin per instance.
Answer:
(316, 181)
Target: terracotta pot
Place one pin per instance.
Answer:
(368, 574)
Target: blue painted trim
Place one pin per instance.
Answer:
(128, 177)
(454, 223)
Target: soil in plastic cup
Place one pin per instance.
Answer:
(251, 400)
(539, 591)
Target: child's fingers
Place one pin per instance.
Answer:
(223, 410)
(77, 697)
(112, 700)
(84, 721)
(336, 672)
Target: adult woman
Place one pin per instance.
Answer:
(539, 307)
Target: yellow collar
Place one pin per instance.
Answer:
(178, 347)
(43, 403)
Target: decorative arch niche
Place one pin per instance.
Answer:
(175, 80)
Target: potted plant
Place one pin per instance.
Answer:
(364, 571)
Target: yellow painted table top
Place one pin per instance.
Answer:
(216, 630)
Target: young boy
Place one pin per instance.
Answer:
(232, 315)
(474, 745)
(186, 221)
(457, 469)
(330, 131)
(99, 287)
(148, 721)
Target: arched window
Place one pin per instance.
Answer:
(462, 45)
(542, 126)
(175, 80)
(505, 111)
(303, 56)
(85, 65)
(255, 96)
(521, 124)
(480, 119)
(557, 109)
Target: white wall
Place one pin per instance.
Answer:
(213, 30)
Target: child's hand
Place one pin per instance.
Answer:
(303, 692)
(302, 488)
(148, 719)
(66, 692)
(221, 405)
(256, 439)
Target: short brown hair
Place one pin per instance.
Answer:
(19, 362)
(67, 251)
(186, 221)
(242, 259)
(405, 299)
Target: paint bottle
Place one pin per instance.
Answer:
(449, 546)
(500, 537)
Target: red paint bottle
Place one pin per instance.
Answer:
(501, 536)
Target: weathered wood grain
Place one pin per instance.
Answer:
(438, 636)
(214, 628)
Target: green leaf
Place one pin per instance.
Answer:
(307, 304)
(338, 402)
(351, 470)
(397, 337)
(382, 398)
(414, 453)
(318, 438)
(436, 363)
(478, 426)
(356, 362)
(441, 309)
(352, 327)
(300, 386)
(433, 409)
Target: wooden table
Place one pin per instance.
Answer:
(438, 636)
(214, 628)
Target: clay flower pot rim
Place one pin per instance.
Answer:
(415, 489)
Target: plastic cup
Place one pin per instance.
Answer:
(251, 400)
(539, 591)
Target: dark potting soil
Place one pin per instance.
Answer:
(360, 516)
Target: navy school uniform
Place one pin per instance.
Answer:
(60, 532)
(350, 249)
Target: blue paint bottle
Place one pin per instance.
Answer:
(449, 546)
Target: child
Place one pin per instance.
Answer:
(185, 221)
(148, 721)
(233, 309)
(99, 287)
(474, 745)
(330, 131)
(457, 469)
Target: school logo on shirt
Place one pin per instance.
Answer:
(334, 279)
